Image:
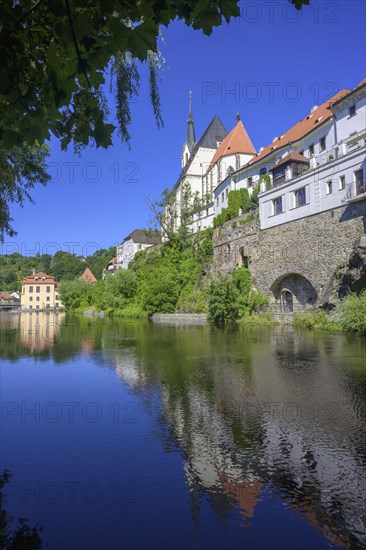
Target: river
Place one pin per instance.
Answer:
(128, 434)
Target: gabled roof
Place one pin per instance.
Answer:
(5, 296)
(296, 157)
(37, 279)
(214, 133)
(144, 236)
(237, 141)
(88, 276)
(313, 120)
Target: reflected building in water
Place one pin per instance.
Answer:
(244, 439)
(38, 332)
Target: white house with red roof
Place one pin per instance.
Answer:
(316, 165)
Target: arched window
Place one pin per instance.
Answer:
(186, 158)
(229, 171)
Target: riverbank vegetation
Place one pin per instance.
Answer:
(164, 280)
(350, 316)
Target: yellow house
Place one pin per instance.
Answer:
(39, 292)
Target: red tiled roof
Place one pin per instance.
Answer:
(88, 276)
(5, 296)
(237, 141)
(302, 128)
(31, 279)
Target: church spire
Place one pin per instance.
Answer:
(191, 137)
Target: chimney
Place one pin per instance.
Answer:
(34, 271)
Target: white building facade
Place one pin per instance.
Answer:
(136, 241)
(317, 165)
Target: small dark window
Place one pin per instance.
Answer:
(352, 110)
(329, 187)
(250, 182)
(30, 289)
(277, 205)
(38, 289)
(48, 289)
(300, 197)
(48, 299)
(322, 144)
(31, 298)
(37, 299)
(342, 182)
(311, 150)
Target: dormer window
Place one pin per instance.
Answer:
(43, 278)
(36, 278)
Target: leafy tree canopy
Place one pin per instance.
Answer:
(56, 56)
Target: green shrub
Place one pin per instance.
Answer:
(315, 320)
(224, 300)
(351, 313)
(76, 295)
(232, 297)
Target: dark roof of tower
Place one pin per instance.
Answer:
(214, 134)
(191, 136)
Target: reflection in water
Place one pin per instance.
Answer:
(16, 533)
(38, 331)
(279, 417)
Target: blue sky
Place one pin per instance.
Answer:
(272, 65)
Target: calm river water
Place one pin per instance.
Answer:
(127, 434)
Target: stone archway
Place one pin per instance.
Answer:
(294, 291)
(287, 301)
(242, 259)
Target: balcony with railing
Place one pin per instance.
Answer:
(355, 191)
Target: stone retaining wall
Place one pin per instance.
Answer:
(179, 318)
(301, 256)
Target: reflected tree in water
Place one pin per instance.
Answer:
(15, 533)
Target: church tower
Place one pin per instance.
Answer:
(191, 136)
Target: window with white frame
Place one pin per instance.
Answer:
(299, 197)
(329, 187)
(277, 206)
(342, 182)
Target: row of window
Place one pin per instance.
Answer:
(37, 298)
(299, 195)
(38, 289)
(299, 199)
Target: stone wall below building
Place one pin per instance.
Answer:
(299, 258)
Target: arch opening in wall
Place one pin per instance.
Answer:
(243, 258)
(287, 301)
(295, 291)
